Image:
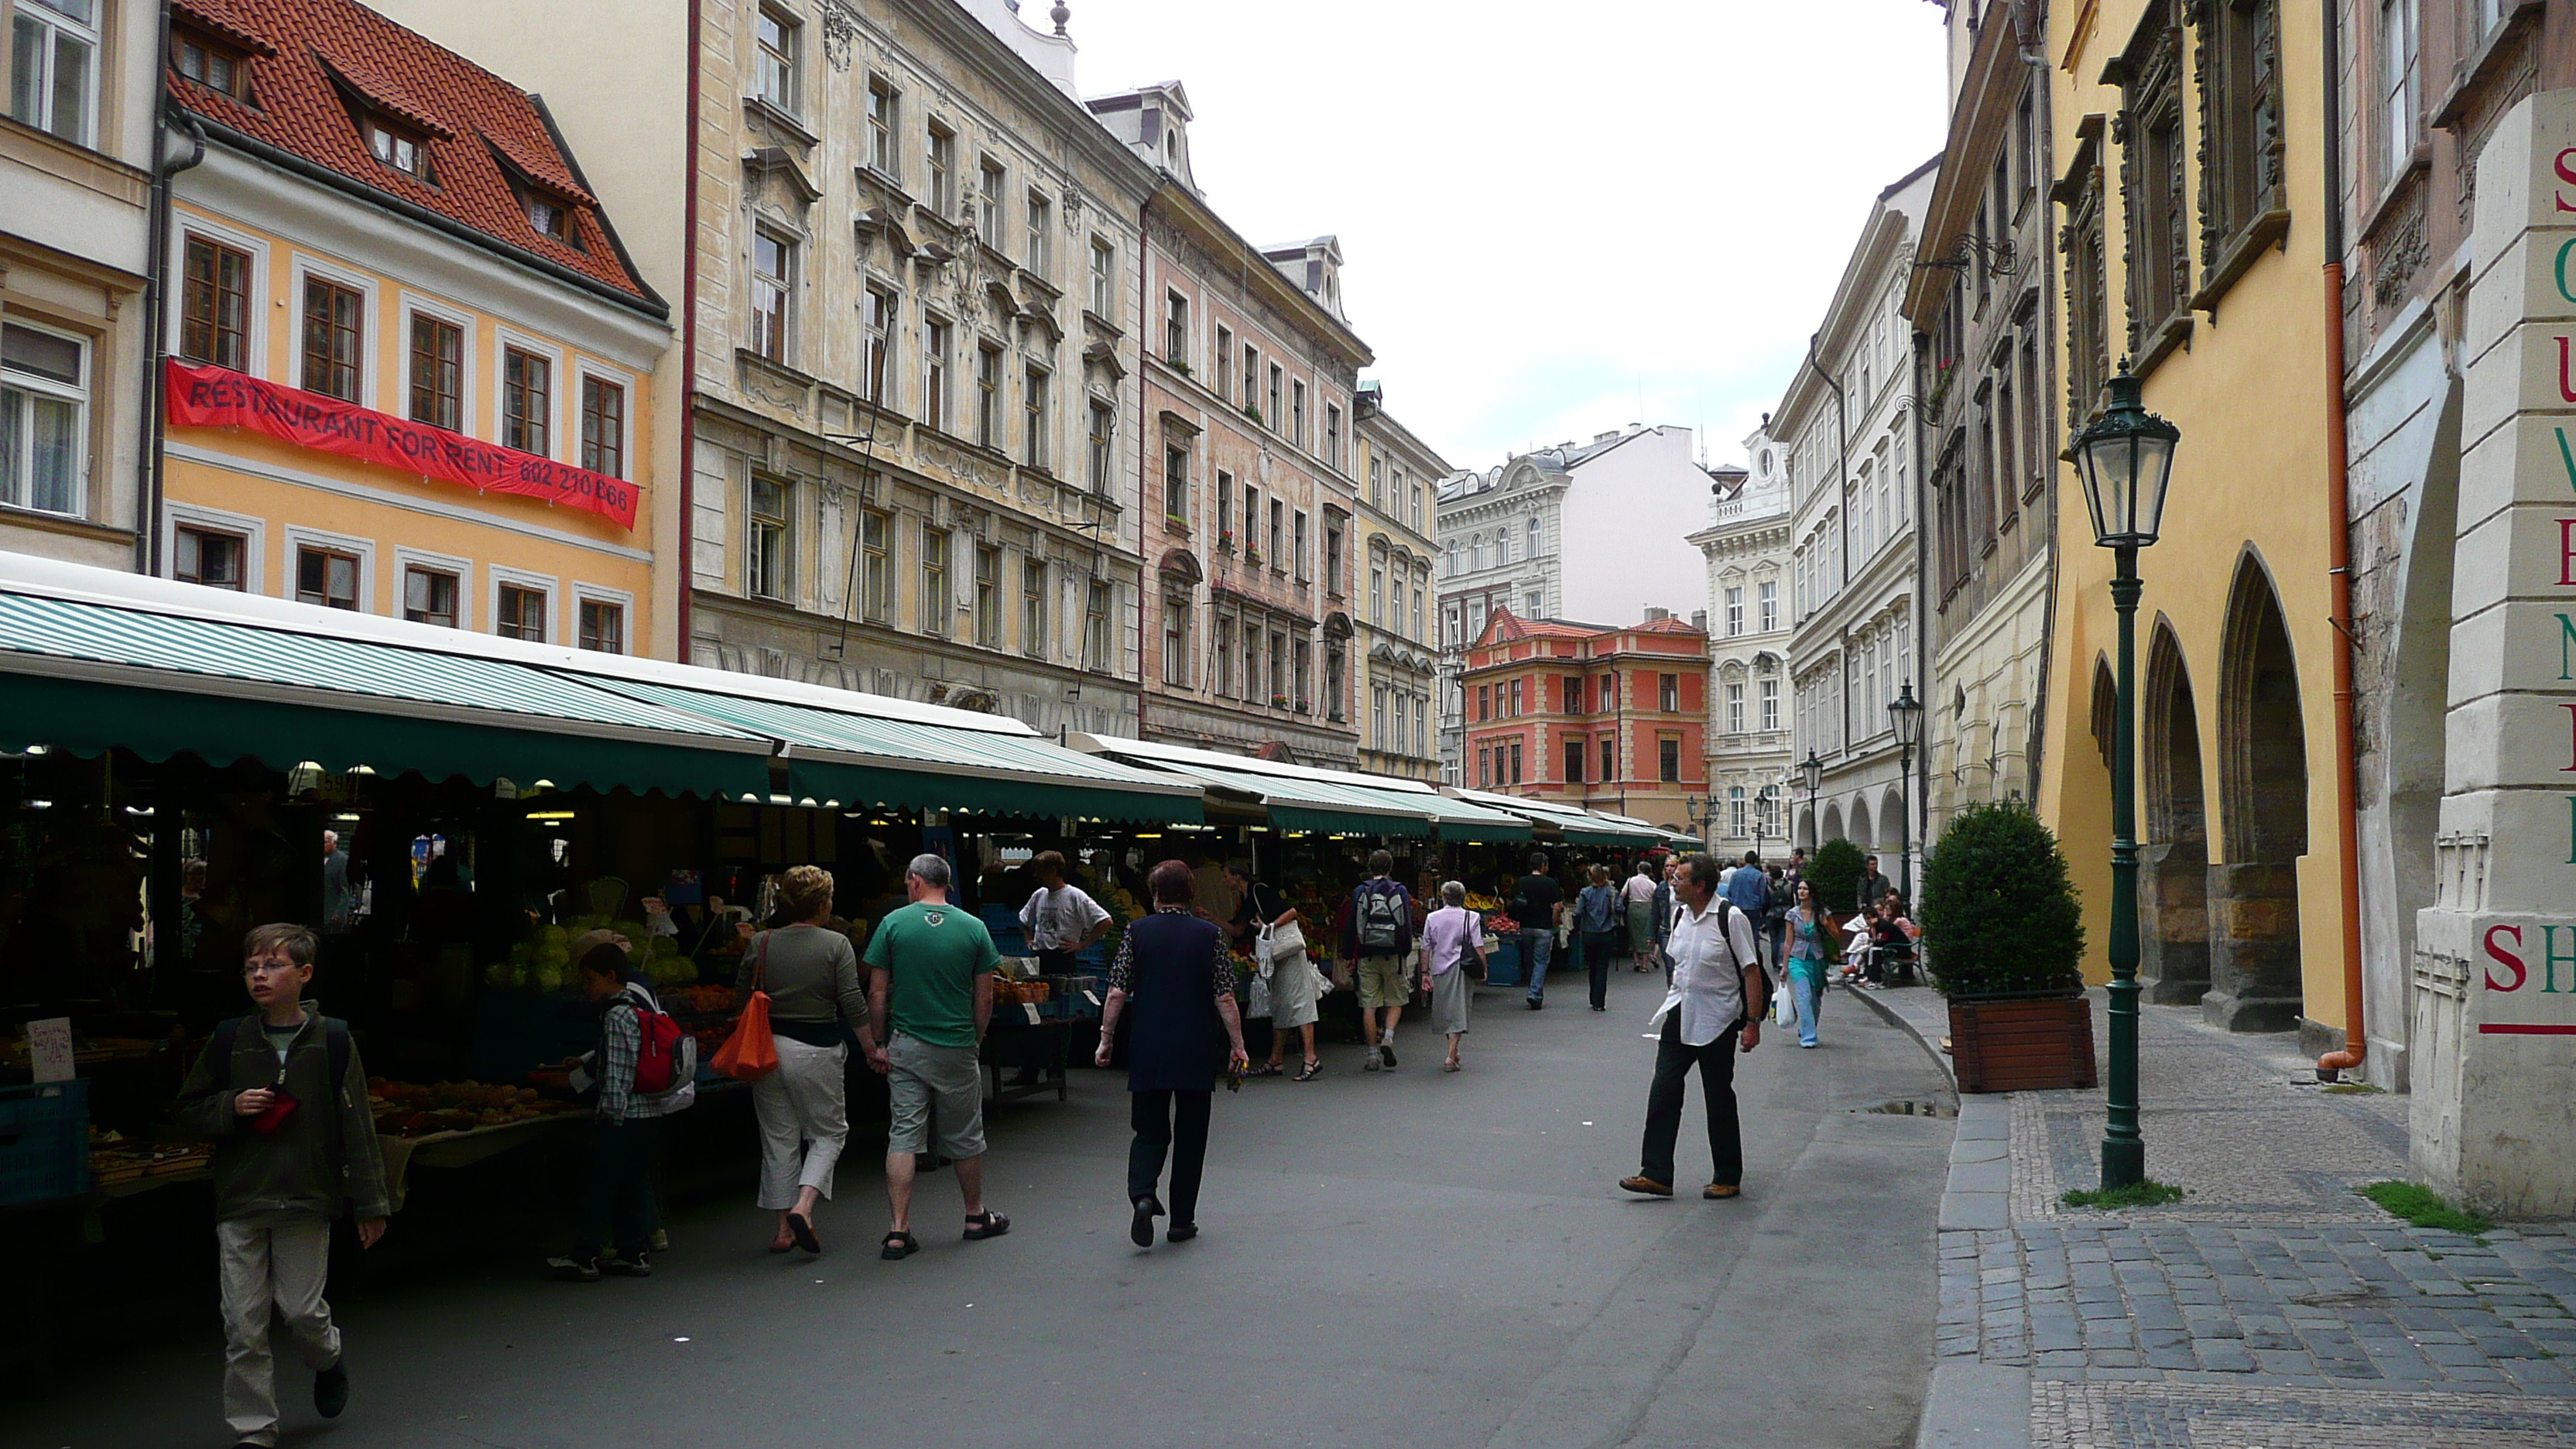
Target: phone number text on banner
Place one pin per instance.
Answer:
(218, 397)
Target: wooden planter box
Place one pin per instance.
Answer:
(2020, 1046)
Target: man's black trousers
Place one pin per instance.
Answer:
(1673, 1063)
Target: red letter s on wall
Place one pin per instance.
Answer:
(2566, 174)
(2511, 961)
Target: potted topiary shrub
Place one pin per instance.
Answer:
(2005, 940)
(1835, 871)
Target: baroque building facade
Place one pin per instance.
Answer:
(1607, 719)
(1248, 382)
(1395, 630)
(1984, 308)
(1847, 422)
(1750, 765)
(907, 258)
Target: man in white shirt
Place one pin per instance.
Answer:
(1638, 897)
(1712, 1011)
(1058, 920)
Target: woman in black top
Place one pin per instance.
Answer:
(1172, 968)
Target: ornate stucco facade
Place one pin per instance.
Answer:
(1746, 543)
(1397, 621)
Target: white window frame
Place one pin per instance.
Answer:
(791, 47)
(82, 394)
(463, 568)
(88, 33)
(468, 373)
(252, 528)
(584, 366)
(370, 346)
(498, 574)
(295, 538)
(255, 326)
(600, 594)
(504, 339)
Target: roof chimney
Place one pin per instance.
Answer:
(1657, 616)
(1699, 620)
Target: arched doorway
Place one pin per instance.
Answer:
(1858, 830)
(1834, 821)
(2263, 784)
(2173, 858)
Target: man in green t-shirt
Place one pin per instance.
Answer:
(930, 980)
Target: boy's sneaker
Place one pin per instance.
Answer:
(572, 1270)
(331, 1390)
(639, 1266)
(1371, 1065)
(660, 1241)
(1386, 1048)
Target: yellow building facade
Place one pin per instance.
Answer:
(2190, 155)
(411, 369)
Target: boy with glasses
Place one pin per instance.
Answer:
(284, 1098)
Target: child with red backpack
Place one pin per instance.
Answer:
(645, 1069)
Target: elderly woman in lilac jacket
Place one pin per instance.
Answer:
(1448, 937)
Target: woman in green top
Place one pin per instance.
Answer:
(815, 1002)
(1811, 945)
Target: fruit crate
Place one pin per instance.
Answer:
(44, 1142)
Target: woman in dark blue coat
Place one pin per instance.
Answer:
(1173, 980)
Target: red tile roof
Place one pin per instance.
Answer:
(314, 61)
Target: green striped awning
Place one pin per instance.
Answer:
(1457, 820)
(870, 760)
(87, 676)
(1296, 803)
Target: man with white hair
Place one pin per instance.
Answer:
(930, 981)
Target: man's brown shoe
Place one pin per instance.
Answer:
(1720, 1189)
(1645, 1186)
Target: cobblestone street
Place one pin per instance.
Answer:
(2271, 1305)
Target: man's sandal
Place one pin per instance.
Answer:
(898, 1246)
(986, 1224)
(1307, 1073)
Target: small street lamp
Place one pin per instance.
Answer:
(1907, 712)
(2126, 459)
(1813, 770)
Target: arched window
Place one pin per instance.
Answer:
(1532, 550)
(1503, 547)
(1453, 558)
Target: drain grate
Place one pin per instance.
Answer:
(1906, 1107)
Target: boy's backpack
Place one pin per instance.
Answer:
(1384, 923)
(666, 1057)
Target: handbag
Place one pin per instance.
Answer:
(751, 1053)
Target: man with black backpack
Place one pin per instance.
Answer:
(1376, 939)
(284, 1099)
(1712, 1011)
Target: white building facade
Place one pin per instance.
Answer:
(1847, 422)
(1570, 532)
(1750, 699)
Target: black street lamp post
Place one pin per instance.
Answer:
(2126, 459)
(1813, 771)
(1907, 712)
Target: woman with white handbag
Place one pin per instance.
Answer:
(1279, 958)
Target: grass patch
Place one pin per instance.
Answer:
(2144, 1194)
(2419, 1205)
(2353, 1089)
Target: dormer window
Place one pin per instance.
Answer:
(211, 63)
(398, 146)
(548, 216)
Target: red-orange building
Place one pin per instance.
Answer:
(1609, 719)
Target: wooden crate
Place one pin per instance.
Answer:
(2017, 1046)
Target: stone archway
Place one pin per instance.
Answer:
(2263, 794)
(1891, 826)
(2173, 858)
(1858, 828)
(1833, 821)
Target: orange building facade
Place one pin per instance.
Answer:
(1608, 719)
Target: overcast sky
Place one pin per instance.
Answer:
(1555, 219)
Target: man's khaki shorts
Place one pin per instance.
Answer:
(1383, 981)
(934, 1089)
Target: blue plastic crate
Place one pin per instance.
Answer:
(44, 1142)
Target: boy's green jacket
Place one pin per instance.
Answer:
(290, 1170)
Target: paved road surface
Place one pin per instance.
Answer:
(1419, 1259)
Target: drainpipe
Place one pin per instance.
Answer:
(2356, 1044)
(148, 481)
(687, 564)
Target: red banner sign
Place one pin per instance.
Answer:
(218, 397)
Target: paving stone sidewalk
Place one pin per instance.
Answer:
(2272, 1305)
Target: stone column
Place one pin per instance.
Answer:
(2173, 925)
(2493, 982)
(2253, 947)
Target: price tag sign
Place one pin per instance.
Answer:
(49, 1048)
(1031, 1008)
